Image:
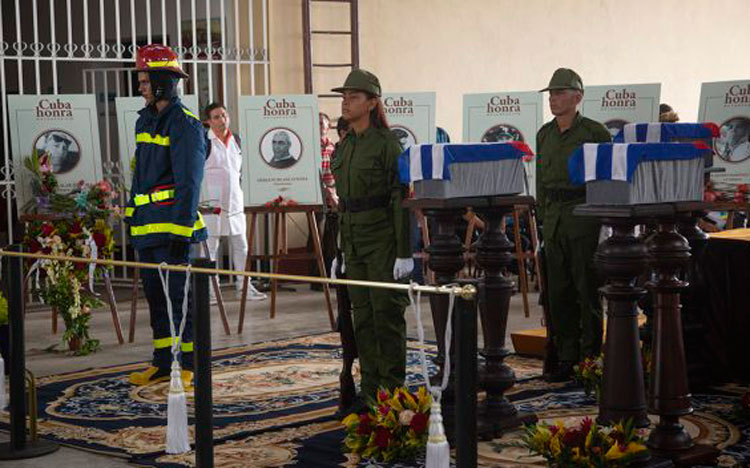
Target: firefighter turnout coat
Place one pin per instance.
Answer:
(169, 158)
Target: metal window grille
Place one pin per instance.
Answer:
(88, 46)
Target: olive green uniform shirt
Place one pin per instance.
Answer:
(556, 197)
(366, 165)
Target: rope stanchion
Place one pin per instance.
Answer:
(465, 329)
(19, 446)
(464, 323)
(204, 435)
(438, 450)
(467, 291)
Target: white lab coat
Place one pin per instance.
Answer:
(221, 187)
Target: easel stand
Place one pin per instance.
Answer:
(281, 251)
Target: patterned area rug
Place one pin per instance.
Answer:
(269, 391)
(319, 444)
(274, 405)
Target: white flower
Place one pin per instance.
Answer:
(405, 417)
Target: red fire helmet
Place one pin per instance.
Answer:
(157, 57)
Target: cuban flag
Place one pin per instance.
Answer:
(425, 162)
(618, 161)
(665, 132)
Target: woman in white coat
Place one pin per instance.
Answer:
(221, 188)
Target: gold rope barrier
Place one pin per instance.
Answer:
(466, 292)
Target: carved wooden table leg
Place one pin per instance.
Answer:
(494, 252)
(446, 260)
(669, 395)
(621, 258)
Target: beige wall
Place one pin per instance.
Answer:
(461, 46)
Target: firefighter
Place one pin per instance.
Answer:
(163, 208)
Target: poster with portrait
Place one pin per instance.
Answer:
(64, 131)
(281, 149)
(411, 117)
(497, 117)
(617, 105)
(727, 104)
(127, 114)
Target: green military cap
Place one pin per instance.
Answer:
(360, 80)
(564, 78)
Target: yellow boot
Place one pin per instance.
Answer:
(187, 380)
(150, 375)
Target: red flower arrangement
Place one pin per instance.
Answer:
(70, 224)
(394, 428)
(586, 445)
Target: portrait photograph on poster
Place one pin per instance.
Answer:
(61, 149)
(405, 135)
(502, 132)
(281, 147)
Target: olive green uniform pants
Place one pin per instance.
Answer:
(378, 316)
(573, 294)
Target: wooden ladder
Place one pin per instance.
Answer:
(308, 33)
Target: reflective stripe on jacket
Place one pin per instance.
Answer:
(169, 158)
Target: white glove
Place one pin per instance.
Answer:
(605, 232)
(335, 264)
(402, 268)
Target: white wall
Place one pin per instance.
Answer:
(462, 46)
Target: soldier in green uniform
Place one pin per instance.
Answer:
(570, 241)
(374, 231)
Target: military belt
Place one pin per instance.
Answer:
(356, 205)
(565, 195)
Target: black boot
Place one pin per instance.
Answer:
(563, 373)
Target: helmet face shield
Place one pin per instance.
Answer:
(163, 84)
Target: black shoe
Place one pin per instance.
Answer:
(359, 406)
(563, 373)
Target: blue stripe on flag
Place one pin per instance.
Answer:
(641, 132)
(426, 155)
(604, 162)
(404, 166)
